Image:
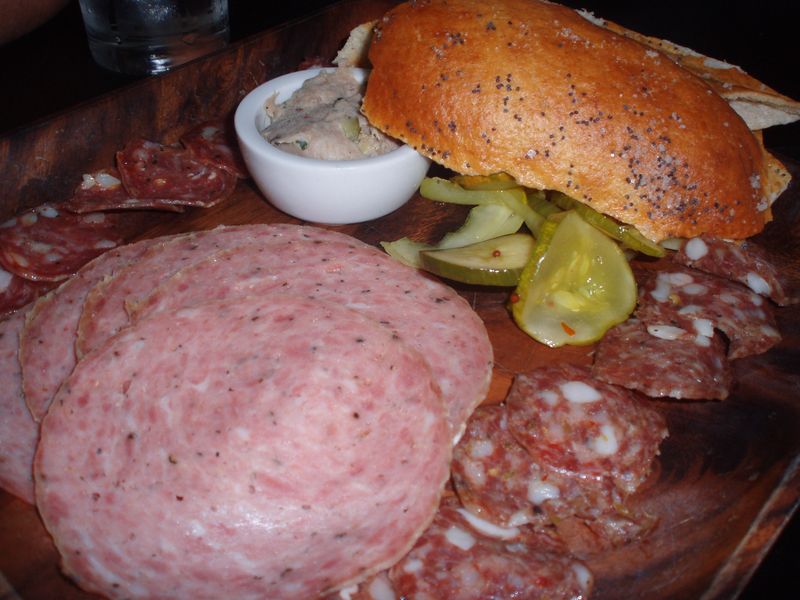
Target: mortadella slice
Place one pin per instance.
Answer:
(18, 431)
(329, 266)
(47, 344)
(238, 449)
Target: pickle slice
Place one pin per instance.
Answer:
(576, 286)
(484, 222)
(498, 261)
(627, 234)
(497, 181)
(406, 251)
(443, 190)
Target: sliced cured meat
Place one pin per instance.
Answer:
(499, 481)
(103, 190)
(47, 345)
(699, 303)
(493, 475)
(18, 431)
(16, 291)
(581, 427)
(47, 243)
(171, 174)
(105, 310)
(742, 261)
(330, 266)
(664, 361)
(454, 560)
(237, 449)
(377, 587)
(215, 143)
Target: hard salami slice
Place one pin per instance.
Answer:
(171, 174)
(330, 266)
(257, 427)
(377, 587)
(215, 143)
(699, 303)
(664, 361)
(18, 431)
(47, 345)
(500, 482)
(742, 261)
(582, 427)
(493, 475)
(47, 243)
(103, 190)
(16, 291)
(454, 560)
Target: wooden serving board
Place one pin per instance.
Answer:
(728, 478)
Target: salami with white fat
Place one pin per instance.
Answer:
(172, 174)
(492, 474)
(333, 267)
(48, 243)
(499, 481)
(103, 190)
(16, 291)
(453, 560)
(237, 449)
(664, 361)
(585, 428)
(700, 303)
(215, 143)
(47, 345)
(742, 261)
(18, 431)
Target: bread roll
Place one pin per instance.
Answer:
(537, 91)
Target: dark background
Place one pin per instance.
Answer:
(50, 70)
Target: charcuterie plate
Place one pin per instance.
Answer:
(728, 478)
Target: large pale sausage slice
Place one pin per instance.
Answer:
(268, 447)
(18, 431)
(423, 312)
(47, 342)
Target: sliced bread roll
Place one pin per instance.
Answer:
(538, 91)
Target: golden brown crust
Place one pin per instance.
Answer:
(535, 90)
(758, 104)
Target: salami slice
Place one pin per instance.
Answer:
(455, 561)
(237, 450)
(699, 303)
(47, 243)
(16, 291)
(215, 143)
(18, 431)
(47, 345)
(171, 174)
(585, 428)
(103, 190)
(330, 266)
(377, 587)
(499, 481)
(664, 361)
(492, 473)
(742, 261)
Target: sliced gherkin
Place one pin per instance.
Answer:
(627, 234)
(576, 286)
(497, 262)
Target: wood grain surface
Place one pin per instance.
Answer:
(728, 477)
